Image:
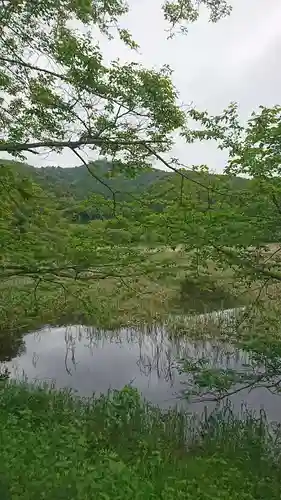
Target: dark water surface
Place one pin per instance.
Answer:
(92, 361)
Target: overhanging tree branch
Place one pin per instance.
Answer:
(262, 270)
(171, 167)
(67, 79)
(10, 147)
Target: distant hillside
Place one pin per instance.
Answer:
(78, 183)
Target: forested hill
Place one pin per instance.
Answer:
(78, 184)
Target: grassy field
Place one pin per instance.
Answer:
(54, 447)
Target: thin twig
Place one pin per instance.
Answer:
(98, 179)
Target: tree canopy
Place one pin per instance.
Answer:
(58, 92)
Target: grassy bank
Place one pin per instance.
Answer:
(55, 447)
(106, 303)
(113, 302)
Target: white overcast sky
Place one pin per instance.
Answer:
(237, 59)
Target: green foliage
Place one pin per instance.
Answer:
(57, 91)
(31, 227)
(203, 294)
(55, 446)
(71, 97)
(182, 12)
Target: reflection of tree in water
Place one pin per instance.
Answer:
(11, 346)
(158, 353)
(155, 352)
(219, 354)
(71, 336)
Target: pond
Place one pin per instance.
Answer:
(89, 360)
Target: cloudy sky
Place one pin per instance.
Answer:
(237, 59)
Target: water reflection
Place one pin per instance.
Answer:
(11, 345)
(90, 360)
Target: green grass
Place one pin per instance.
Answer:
(110, 303)
(55, 446)
(107, 303)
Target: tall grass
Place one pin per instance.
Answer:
(57, 446)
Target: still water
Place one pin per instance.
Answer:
(89, 361)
